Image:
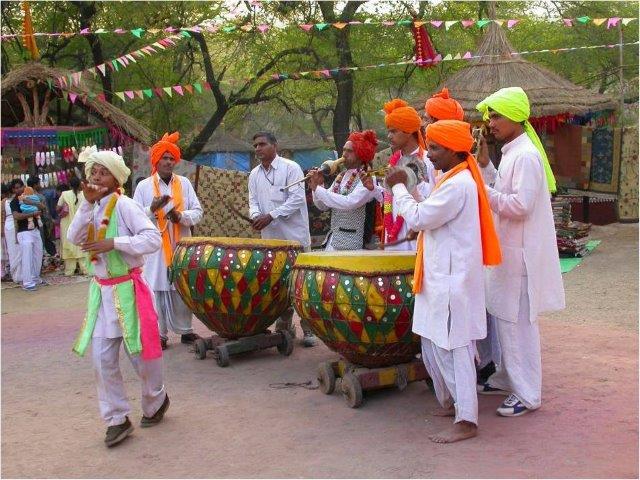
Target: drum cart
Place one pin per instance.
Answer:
(355, 380)
(224, 348)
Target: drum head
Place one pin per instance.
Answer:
(362, 261)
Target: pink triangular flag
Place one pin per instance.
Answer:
(84, 31)
(101, 97)
(159, 45)
(388, 24)
(568, 22)
(512, 23)
(120, 31)
(129, 93)
(467, 23)
(212, 28)
(326, 73)
(169, 40)
(178, 89)
(436, 23)
(263, 28)
(306, 27)
(121, 61)
(467, 56)
(72, 97)
(613, 22)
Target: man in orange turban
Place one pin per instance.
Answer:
(403, 126)
(442, 107)
(456, 240)
(349, 194)
(171, 203)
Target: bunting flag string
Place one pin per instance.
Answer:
(263, 28)
(200, 87)
(122, 62)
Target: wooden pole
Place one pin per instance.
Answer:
(621, 71)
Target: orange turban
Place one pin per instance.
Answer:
(403, 117)
(456, 135)
(442, 107)
(364, 145)
(168, 143)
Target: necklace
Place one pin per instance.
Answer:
(271, 180)
(349, 186)
(104, 223)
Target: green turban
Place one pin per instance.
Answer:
(513, 103)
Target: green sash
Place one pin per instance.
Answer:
(124, 299)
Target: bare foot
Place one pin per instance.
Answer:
(459, 431)
(443, 412)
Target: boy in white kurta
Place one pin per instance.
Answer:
(529, 281)
(116, 233)
(456, 239)
(348, 195)
(170, 201)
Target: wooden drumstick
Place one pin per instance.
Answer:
(382, 246)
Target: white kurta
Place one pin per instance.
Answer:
(450, 309)
(326, 198)
(423, 190)
(288, 208)
(155, 267)
(137, 237)
(13, 249)
(523, 219)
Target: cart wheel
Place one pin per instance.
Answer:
(326, 378)
(200, 346)
(286, 347)
(222, 356)
(351, 390)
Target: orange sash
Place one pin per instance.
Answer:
(491, 254)
(178, 202)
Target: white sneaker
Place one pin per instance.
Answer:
(512, 407)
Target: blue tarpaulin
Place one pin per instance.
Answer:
(228, 160)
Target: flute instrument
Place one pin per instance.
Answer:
(329, 167)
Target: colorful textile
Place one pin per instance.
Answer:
(168, 143)
(513, 103)
(442, 107)
(605, 159)
(628, 194)
(572, 154)
(364, 145)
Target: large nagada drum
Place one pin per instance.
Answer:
(237, 287)
(359, 303)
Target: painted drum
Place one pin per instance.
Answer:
(359, 303)
(237, 287)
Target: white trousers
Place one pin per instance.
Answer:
(30, 243)
(519, 369)
(454, 378)
(112, 398)
(489, 347)
(172, 313)
(13, 251)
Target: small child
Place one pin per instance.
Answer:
(117, 234)
(30, 196)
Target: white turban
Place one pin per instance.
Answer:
(111, 161)
(85, 153)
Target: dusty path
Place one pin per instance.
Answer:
(230, 423)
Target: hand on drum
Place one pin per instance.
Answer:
(262, 221)
(367, 181)
(316, 179)
(394, 176)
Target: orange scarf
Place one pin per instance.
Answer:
(491, 254)
(178, 202)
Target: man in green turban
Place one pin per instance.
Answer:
(528, 281)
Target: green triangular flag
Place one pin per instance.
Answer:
(584, 19)
(405, 23)
(229, 29)
(121, 95)
(186, 34)
(198, 87)
(148, 92)
(115, 65)
(448, 56)
(482, 23)
(322, 26)
(168, 91)
(137, 32)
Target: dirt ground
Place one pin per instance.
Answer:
(229, 422)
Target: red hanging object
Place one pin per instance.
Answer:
(424, 50)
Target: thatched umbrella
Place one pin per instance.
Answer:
(30, 80)
(549, 93)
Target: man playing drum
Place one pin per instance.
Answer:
(348, 195)
(171, 203)
(456, 238)
(279, 213)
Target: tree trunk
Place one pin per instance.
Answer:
(198, 143)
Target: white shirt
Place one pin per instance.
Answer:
(523, 219)
(450, 308)
(155, 268)
(288, 208)
(137, 237)
(422, 191)
(326, 198)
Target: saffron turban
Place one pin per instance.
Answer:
(456, 135)
(168, 143)
(442, 107)
(403, 117)
(513, 103)
(111, 161)
(364, 145)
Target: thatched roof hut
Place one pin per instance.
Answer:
(28, 85)
(548, 92)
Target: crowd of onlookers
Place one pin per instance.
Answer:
(33, 219)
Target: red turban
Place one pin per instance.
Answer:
(442, 107)
(364, 145)
(403, 117)
(168, 143)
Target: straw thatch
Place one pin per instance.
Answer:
(549, 93)
(19, 79)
